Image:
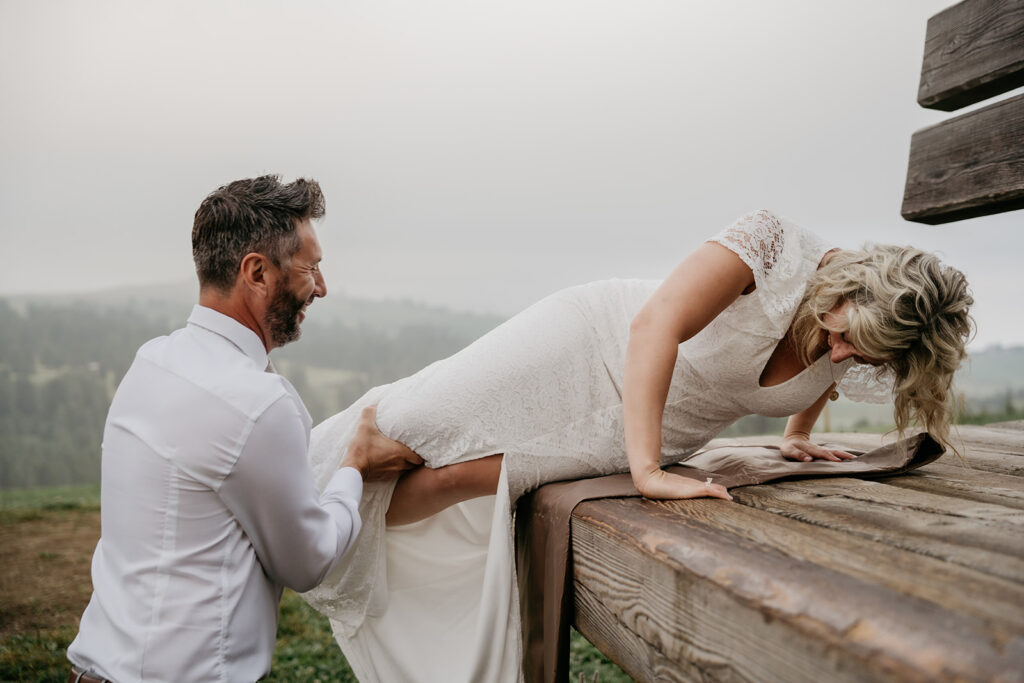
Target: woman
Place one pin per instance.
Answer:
(762, 319)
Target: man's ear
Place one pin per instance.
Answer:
(255, 273)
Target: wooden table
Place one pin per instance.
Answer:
(917, 577)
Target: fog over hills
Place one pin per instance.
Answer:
(989, 371)
(61, 357)
(175, 300)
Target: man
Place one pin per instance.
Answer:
(208, 504)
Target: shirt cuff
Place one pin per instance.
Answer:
(347, 481)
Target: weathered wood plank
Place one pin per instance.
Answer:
(738, 610)
(821, 579)
(989, 459)
(1012, 425)
(953, 587)
(629, 651)
(1006, 437)
(981, 516)
(972, 51)
(988, 540)
(971, 165)
(963, 482)
(710, 646)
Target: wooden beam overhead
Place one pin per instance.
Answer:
(973, 50)
(968, 166)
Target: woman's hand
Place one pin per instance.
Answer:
(700, 288)
(662, 485)
(799, 447)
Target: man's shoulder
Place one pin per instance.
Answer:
(194, 401)
(212, 369)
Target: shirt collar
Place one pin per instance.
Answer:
(235, 332)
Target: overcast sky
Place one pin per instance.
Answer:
(474, 154)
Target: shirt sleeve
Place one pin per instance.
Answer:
(298, 534)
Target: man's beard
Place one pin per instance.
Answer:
(282, 317)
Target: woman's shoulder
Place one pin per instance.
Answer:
(759, 231)
(767, 242)
(782, 257)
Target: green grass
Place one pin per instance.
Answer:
(39, 656)
(53, 498)
(26, 505)
(588, 665)
(305, 651)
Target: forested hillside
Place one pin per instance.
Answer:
(60, 362)
(61, 358)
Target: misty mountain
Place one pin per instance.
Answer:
(172, 303)
(61, 358)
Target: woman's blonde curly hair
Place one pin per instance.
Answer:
(909, 310)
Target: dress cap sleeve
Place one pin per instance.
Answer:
(782, 257)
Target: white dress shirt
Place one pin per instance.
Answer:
(208, 508)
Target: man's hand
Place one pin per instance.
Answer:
(376, 456)
(799, 447)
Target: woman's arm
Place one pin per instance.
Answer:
(700, 288)
(796, 440)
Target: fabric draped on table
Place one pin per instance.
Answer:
(543, 544)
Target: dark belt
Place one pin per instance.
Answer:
(79, 676)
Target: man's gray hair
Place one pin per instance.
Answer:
(255, 215)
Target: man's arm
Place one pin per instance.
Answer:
(298, 534)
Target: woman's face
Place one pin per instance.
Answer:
(840, 347)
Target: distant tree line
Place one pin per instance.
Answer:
(1003, 408)
(50, 430)
(373, 356)
(58, 367)
(60, 364)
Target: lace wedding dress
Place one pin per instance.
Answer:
(437, 600)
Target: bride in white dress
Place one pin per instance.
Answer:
(609, 377)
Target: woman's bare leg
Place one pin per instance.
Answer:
(423, 492)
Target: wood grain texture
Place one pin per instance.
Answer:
(971, 165)
(992, 459)
(916, 577)
(1007, 438)
(739, 610)
(963, 482)
(630, 652)
(987, 541)
(972, 51)
(961, 589)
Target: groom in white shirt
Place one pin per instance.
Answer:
(208, 505)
